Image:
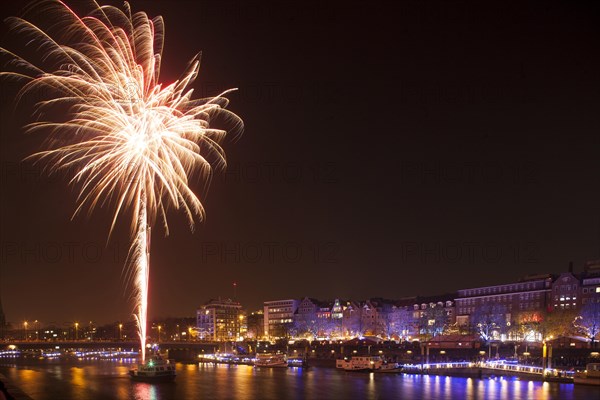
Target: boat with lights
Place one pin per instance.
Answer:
(271, 360)
(591, 375)
(367, 364)
(156, 369)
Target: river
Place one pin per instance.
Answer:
(108, 379)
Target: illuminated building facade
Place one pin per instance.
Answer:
(220, 320)
(590, 283)
(279, 317)
(527, 298)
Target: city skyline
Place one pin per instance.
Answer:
(397, 161)
(590, 271)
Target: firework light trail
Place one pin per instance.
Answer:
(129, 142)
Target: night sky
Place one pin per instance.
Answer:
(391, 149)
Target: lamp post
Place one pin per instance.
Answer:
(159, 329)
(189, 334)
(76, 330)
(37, 330)
(120, 331)
(25, 327)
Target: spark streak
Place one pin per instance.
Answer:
(127, 140)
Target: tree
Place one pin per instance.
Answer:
(558, 323)
(488, 320)
(432, 321)
(528, 327)
(400, 322)
(588, 321)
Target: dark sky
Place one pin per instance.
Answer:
(391, 149)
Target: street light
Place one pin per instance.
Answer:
(159, 328)
(25, 326)
(76, 330)
(120, 331)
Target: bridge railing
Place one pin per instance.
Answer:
(503, 365)
(500, 365)
(448, 365)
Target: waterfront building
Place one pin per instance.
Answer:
(573, 291)
(320, 319)
(351, 319)
(508, 311)
(565, 292)
(220, 320)
(278, 317)
(530, 295)
(401, 324)
(372, 318)
(590, 283)
(432, 315)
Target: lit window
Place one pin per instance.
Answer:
(598, 289)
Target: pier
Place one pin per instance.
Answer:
(490, 368)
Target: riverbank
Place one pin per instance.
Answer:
(13, 390)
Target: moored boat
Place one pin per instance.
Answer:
(271, 360)
(591, 375)
(367, 364)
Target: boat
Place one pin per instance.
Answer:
(388, 368)
(155, 369)
(367, 364)
(298, 362)
(270, 360)
(591, 375)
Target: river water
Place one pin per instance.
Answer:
(105, 379)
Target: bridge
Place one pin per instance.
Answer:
(36, 344)
(178, 350)
(207, 347)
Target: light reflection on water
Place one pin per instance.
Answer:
(92, 380)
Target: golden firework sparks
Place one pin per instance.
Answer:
(127, 140)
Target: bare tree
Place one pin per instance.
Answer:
(588, 321)
(488, 320)
(432, 321)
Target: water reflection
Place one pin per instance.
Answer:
(91, 380)
(145, 391)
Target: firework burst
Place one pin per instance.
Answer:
(127, 140)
